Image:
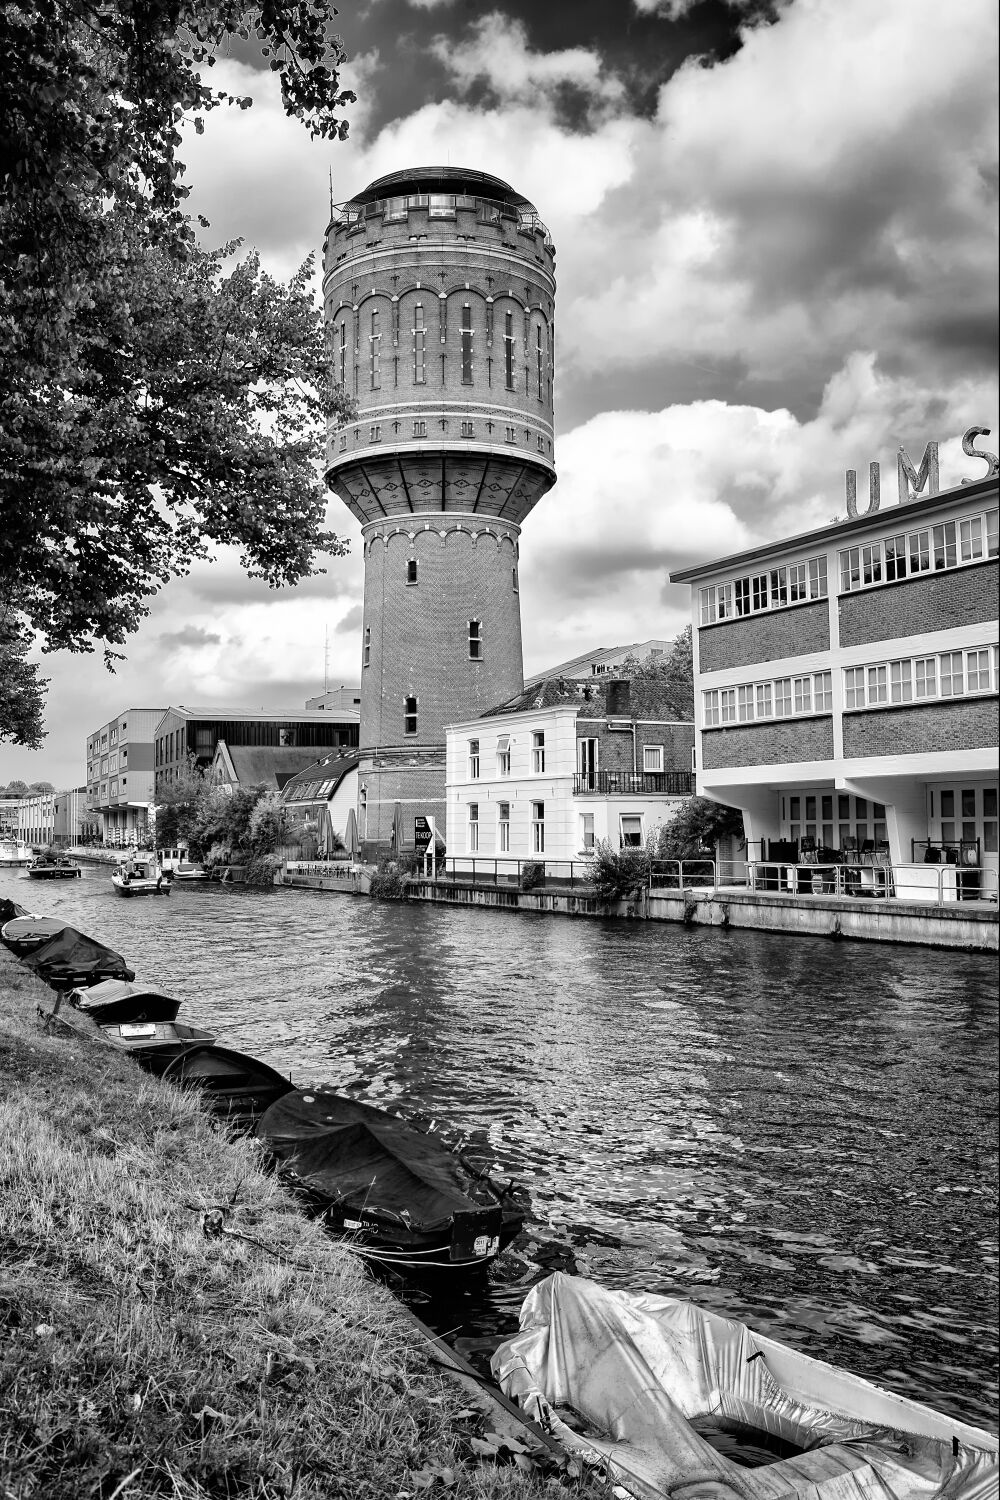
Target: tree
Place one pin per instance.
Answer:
(22, 690)
(671, 674)
(695, 830)
(41, 787)
(153, 403)
(17, 789)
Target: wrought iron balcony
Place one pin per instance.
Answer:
(639, 783)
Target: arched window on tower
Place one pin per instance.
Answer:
(419, 345)
(508, 350)
(466, 344)
(375, 340)
(343, 351)
(539, 363)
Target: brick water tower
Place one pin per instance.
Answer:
(439, 291)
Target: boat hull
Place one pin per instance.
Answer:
(23, 935)
(155, 1044)
(131, 888)
(236, 1088)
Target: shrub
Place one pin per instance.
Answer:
(532, 876)
(388, 883)
(616, 874)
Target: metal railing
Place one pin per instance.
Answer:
(937, 885)
(522, 874)
(637, 783)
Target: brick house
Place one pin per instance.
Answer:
(560, 766)
(846, 682)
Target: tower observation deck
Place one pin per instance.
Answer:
(439, 292)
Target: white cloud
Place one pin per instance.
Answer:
(497, 50)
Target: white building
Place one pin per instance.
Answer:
(564, 765)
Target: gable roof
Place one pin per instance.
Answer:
(331, 768)
(273, 765)
(594, 698)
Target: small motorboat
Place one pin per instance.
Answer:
(54, 866)
(405, 1196)
(14, 853)
(176, 866)
(683, 1403)
(114, 1002)
(237, 1088)
(72, 960)
(140, 876)
(25, 933)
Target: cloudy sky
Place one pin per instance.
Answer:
(775, 232)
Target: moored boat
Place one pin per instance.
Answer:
(672, 1396)
(14, 852)
(404, 1195)
(23, 934)
(70, 959)
(236, 1087)
(116, 1001)
(54, 866)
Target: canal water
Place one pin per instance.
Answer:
(797, 1132)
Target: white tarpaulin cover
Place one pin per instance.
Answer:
(638, 1368)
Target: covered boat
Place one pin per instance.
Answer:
(71, 959)
(404, 1195)
(54, 866)
(236, 1087)
(26, 933)
(114, 1002)
(663, 1387)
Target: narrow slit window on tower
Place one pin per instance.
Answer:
(466, 344)
(419, 345)
(375, 341)
(513, 579)
(476, 640)
(409, 715)
(411, 570)
(508, 350)
(539, 363)
(367, 654)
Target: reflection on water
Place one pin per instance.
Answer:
(793, 1131)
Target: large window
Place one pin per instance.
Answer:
(473, 760)
(950, 674)
(539, 363)
(503, 827)
(342, 351)
(587, 833)
(538, 828)
(473, 827)
(631, 836)
(780, 698)
(503, 755)
(375, 340)
(775, 588)
(951, 544)
(538, 752)
(508, 350)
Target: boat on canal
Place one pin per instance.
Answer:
(14, 853)
(236, 1088)
(140, 875)
(403, 1195)
(24, 933)
(176, 865)
(681, 1402)
(69, 959)
(113, 1002)
(54, 866)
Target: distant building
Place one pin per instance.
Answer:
(336, 699)
(187, 736)
(120, 776)
(9, 808)
(36, 818)
(321, 803)
(603, 661)
(562, 766)
(258, 765)
(846, 682)
(69, 815)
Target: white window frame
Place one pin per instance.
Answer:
(631, 818)
(538, 752)
(538, 827)
(472, 828)
(652, 759)
(503, 827)
(473, 760)
(503, 755)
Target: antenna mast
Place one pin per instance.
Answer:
(326, 660)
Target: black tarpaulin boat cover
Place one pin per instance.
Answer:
(117, 1000)
(352, 1152)
(73, 954)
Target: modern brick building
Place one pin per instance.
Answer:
(120, 775)
(846, 682)
(439, 292)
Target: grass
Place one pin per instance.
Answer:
(172, 1326)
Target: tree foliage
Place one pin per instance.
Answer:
(695, 830)
(22, 688)
(222, 826)
(672, 674)
(155, 400)
(617, 874)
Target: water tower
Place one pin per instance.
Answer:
(439, 291)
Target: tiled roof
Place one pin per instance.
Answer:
(643, 700)
(330, 767)
(271, 764)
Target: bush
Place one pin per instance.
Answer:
(388, 883)
(532, 876)
(617, 874)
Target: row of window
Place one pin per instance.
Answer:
(774, 588)
(652, 756)
(946, 674)
(930, 549)
(468, 430)
(779, 698)
(475, 638)
(630, 829)
(541, 362)
(93, 745)
(832, 818)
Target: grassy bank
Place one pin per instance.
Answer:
(171, 1325)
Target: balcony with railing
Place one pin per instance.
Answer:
(351, 216)
(634, 783)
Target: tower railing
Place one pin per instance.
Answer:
(439, 206)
